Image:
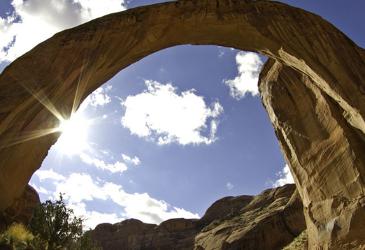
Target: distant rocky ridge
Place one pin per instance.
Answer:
(270, 220)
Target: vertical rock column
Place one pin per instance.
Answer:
(325, 155)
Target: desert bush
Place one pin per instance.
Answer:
(18, 237)
(57, 225)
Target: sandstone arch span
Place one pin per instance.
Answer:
(313, 88)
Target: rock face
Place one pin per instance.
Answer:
(270, 220)
(315, 99)
(22, 209)
(134, 234)
(323, 150)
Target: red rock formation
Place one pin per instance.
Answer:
(323, 145)
(270, 220)
(134, 234)
(322, 150)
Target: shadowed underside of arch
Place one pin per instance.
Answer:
(313, 88)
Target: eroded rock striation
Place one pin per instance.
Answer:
(315, 99)
(269, 220)
(324, 149)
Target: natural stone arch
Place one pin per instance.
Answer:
(304, 49)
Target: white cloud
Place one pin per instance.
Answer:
(80, 187)
(165, 116)
(229, 186)
(285, 177)
(96, 158)
(116, 167)
(249, 67)
(49, 174)
(143, 207)
(97, 98)
(93, 218)
(135, 160)
(33, 21)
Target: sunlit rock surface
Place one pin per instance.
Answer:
(316, 102)
(269, 220)
(324, 152)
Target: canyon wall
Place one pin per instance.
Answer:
(326, 155)
(270, 220)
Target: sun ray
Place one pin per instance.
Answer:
(80, 88)
(27, 136)
(80, 126)
(44, 100)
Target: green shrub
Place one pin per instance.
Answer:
(57, 225)
(53, 227)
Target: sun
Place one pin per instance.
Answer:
(74, 135)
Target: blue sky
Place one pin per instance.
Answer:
(168, 135)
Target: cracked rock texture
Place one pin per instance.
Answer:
(269, 220)
(313, 89)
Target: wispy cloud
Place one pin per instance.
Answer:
(165, 116)
(116, 167)
(81, 187)
(229, 186)
(91, 217)
(33, 21)
(132, 160)
(284, 176)
(100, 97)
(49, 174)
(246, 82)
(105, 160)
